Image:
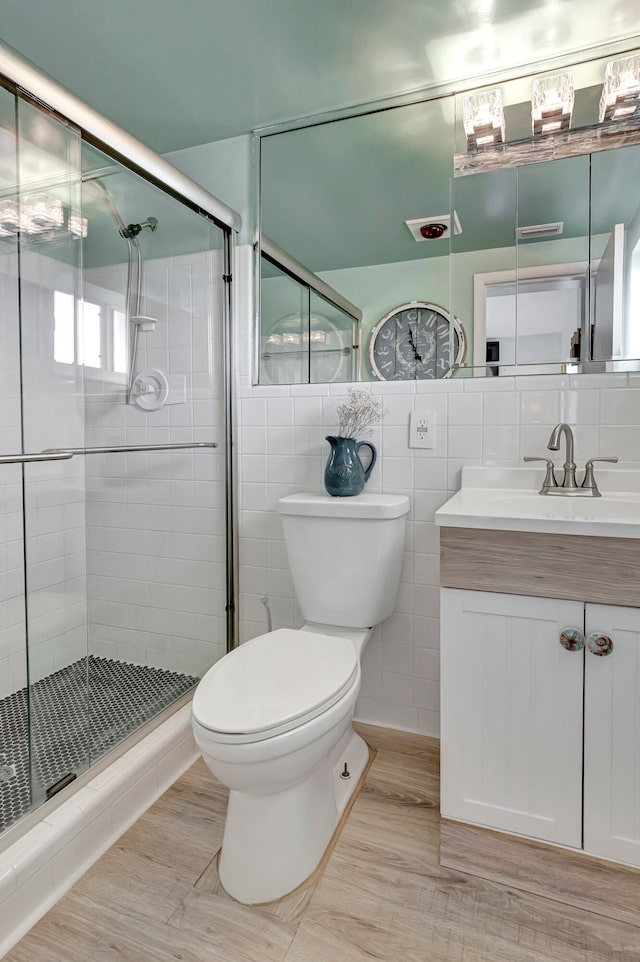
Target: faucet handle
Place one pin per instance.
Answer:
(589, 477)
(549, 478)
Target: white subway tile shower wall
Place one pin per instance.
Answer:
(155, 522)
(479, 421)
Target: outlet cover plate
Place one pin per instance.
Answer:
(422, 429)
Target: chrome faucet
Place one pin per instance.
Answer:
(569, 486)
(569, 480)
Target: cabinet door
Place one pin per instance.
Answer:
(512, 702)
(612, 737)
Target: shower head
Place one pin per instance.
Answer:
(132, 230)
(98, 187)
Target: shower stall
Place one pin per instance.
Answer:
(116, 563)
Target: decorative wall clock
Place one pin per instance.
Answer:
(416, 341)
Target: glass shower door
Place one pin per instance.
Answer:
(113, 473)
(50, 249)
(14, 722)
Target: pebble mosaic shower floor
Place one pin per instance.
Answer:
(77, 714)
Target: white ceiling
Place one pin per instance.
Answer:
(180, 74)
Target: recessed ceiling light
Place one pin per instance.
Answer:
(433, 227)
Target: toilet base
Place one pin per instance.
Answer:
(273, 843)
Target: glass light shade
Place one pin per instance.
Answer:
(77, 224)
(9, 217)
(620, 97)
(483, 119)
(552, 100)
(40, 212)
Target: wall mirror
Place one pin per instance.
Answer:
(531, 249)
(336, 196)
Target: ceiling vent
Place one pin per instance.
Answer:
(536, 231)
(432, 228)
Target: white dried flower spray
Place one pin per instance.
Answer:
(358, 413)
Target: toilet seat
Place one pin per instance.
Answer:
(274, 683)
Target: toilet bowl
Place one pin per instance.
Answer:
(273, 718)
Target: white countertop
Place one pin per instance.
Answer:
(507, 499)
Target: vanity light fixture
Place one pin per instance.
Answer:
(39, 213)
(9, 217)
(552, 101)
(483, 119)
(41, 217)
(77, 224)
(620, 98)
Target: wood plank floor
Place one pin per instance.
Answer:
(155, 895)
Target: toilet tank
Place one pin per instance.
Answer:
(345, 555)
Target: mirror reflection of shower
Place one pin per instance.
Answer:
(147, 389)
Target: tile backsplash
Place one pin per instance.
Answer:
(282, 449)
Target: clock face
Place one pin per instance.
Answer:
(416, 341)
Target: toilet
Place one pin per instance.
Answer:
(273, 718)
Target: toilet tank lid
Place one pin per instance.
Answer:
(382, 506)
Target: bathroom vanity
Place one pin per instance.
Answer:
(540, 639)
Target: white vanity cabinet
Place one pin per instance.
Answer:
(511, 714)
(539, 740)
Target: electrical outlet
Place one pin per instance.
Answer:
(422, 429)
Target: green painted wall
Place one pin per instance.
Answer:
(224, 169)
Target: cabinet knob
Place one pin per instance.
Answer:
(572, 639)
(599, 644)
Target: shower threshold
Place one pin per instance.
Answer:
(77, 714)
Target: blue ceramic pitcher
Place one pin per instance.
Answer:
(345, 474)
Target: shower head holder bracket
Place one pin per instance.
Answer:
(144, 323)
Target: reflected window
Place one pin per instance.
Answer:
(64, 328)
(89, 348)
(119, 342)
(100, 340)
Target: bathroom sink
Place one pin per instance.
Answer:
(507, 499)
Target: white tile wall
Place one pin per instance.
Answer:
(481, 421)
(155, 522)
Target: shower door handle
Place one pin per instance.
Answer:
(129, 448)
(39, 456)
